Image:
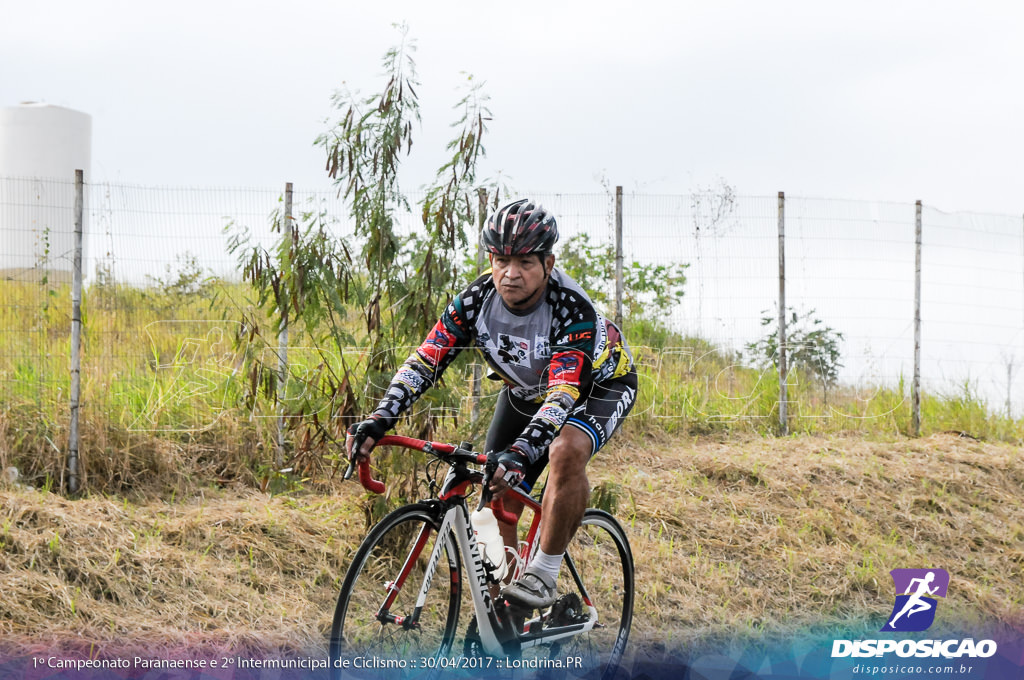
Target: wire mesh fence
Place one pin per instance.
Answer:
(163, 295)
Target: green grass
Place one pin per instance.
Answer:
(165, 396)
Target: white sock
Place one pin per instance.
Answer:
(547, 564)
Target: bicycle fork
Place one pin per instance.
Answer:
(493, 633)
(384, 614)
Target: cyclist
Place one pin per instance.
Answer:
(568, 373)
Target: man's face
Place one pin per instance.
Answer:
(520, 279)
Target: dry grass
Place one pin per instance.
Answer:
(731, 536)
(226, 570)
(772, 536)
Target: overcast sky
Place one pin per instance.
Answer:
(891, 101)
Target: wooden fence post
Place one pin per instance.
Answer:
(915, 385)
(783, 369)
(74, 436)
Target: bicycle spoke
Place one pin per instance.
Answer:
(377, 627)
(599, 555)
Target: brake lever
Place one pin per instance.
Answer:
(487, 497)
(365, 475)
(351, 459)
(490, 467)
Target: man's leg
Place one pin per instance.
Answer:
(566, 495)
(510, 532)
(507, 423)
(567, 492)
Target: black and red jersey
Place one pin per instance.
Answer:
(551, 354)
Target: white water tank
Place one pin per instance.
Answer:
(41, 146)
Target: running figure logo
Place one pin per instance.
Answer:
(916, 593)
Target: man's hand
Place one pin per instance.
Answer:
(509, 467)
(363, 436)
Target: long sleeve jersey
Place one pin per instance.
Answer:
(550, 355)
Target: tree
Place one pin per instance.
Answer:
(649, 291)
(398, 285)
(811, 346)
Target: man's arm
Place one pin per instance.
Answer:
(566, 377)
(422, 369)
(415, 376)
(451, 334)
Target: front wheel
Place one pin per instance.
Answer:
(380, 626)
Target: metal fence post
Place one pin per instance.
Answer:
(915, 385)
(618, 256)
(282, 342)
(74, 437)
(783, 369)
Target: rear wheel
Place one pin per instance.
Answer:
(378, 630)
(597, 577)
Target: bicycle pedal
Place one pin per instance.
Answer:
(516, 615)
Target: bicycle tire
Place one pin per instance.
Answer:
(600, 553)
(363, 647)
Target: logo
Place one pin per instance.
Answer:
(565, 368)
(916, 593)
(921, 649)
(438, 338)
(436, 345)
(512, 350)
(570, 338)
(541, 347)
(623, 405)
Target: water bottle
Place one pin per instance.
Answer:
(492, 547)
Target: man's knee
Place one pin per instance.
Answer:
(570, 451)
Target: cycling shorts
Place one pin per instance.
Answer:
(598, 415)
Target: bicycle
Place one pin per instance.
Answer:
(398, 611)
